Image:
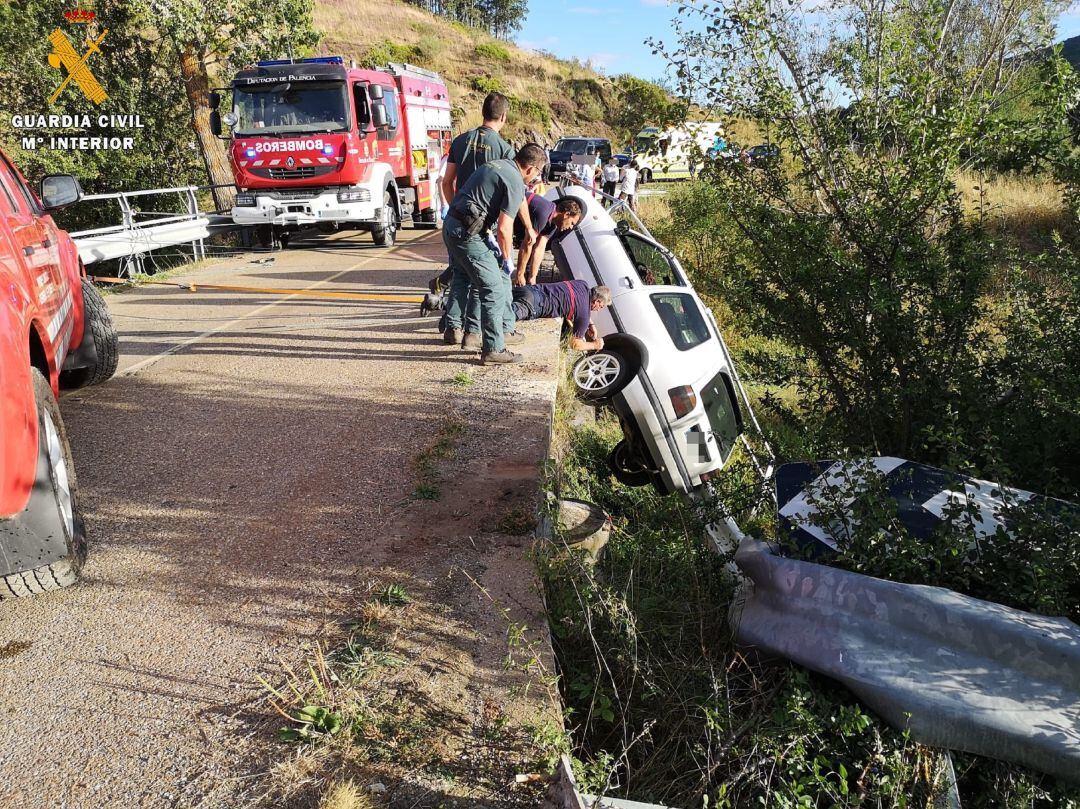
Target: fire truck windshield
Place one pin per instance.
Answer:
(286, 108)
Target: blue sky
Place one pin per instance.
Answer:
(611, 33)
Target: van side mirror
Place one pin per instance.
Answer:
(622, 227)
(215, 100)
(59, 191)
(378, 116)
(215, 123)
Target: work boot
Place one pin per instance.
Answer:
(452, 336)
(500, 357)
(471, 342)
(513, 338)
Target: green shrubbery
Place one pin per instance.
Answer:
(389, 51)
(493, 52)
(662, 705)
(487, 84)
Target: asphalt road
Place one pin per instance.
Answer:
(249, 465)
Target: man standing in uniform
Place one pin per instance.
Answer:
(468, 152)
(493, 195)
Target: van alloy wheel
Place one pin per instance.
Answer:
(597, 372)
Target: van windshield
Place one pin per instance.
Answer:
(718, 398)
(572, 145)
(315, 106)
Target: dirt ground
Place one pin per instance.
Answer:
(248, 478)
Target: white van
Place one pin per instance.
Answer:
(664, 367)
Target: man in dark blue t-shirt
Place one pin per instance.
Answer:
(560, 217)
(572, 300)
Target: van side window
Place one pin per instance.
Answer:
(682, 318)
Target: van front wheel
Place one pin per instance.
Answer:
(600, 375)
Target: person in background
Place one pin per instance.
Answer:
(611, 178)
(491, 198)
(572, 300)
(563, 216)
(468, 152)
(628, 184)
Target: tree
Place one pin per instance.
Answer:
(137, 79)
(641, 103)
(218, 36)
(855, 249)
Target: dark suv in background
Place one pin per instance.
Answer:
(566, 148)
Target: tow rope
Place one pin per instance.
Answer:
(380, 297)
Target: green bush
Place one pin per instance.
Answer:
(487, 84)
(492, 51)
(528, 110)
(388, 51)
(664, 707)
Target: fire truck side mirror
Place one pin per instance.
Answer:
(215, 100)
(215, 122)
(376, 92)
(378, 116)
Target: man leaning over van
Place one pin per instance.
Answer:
(468, 152)
(493, 196)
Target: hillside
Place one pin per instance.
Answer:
(550, 96)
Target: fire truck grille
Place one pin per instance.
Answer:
(292, 174)
(298, 173)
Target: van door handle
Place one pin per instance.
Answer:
(629, 281)
(28, 250)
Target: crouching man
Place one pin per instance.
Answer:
(491, 198)
(572, 300)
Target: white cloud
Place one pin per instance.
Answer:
(545, 44)
(603, 60)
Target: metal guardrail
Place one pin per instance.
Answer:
(133, 238)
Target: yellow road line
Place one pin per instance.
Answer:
(138, 366)
(382, 297)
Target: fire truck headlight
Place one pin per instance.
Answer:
(354, 195)
(327, 150)
(245, 201)
(249, 152)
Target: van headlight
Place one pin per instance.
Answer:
(245, 201)
(354, 195)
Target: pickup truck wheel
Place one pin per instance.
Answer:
(627, 467)
(601, 375)
(385, 233)
(98, 326)
(53, 511)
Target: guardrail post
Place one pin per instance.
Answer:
(198, 247)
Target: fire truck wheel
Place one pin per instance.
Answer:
(99, 328)
(385, 233)
(53, 510)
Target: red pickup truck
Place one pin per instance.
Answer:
(55, 331)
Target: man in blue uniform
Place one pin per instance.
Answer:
(572, 300)
(492, 197)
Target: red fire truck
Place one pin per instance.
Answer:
(317, 143)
